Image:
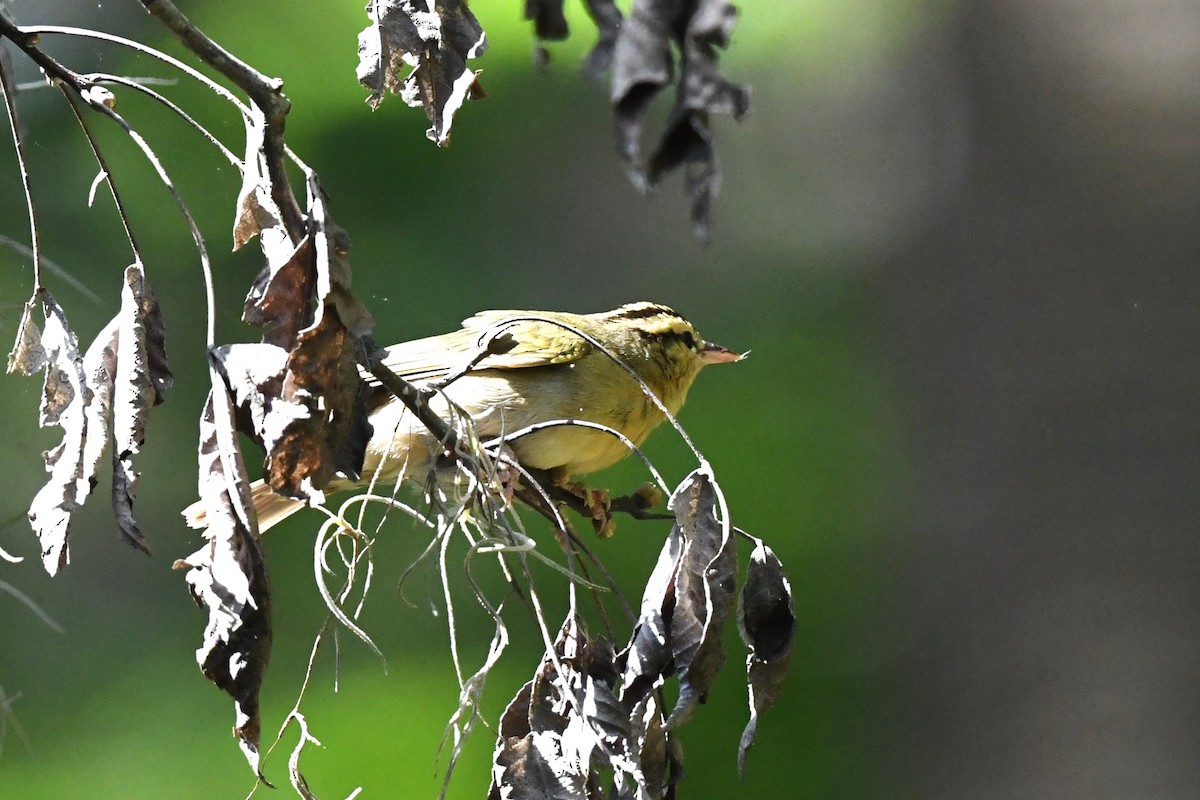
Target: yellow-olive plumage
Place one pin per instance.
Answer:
(527, 368)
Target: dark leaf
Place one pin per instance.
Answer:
(27, 356)
(228, 577)
(704, 586)
(563, 723)
(281, 297)
(548, 20)
(535, 768)
(767, 623)
(649, 747)
(644, 65)
(648, 657)
(431, 43)
(607, 17)
(67, 401)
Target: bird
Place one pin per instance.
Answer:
(508, 370)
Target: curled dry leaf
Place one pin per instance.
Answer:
(432, 43)
(704, 587)
(607, 17)
(686, 603)
(299, 393)
(767, 623)
(257, 212)
(648, 657)
(328, 434)
(27, 356)
(111, 388)
(65, 396)
(228, 576)
(644, 65)
(140, 382)
(565, 726)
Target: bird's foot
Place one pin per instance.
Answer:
(596, 503)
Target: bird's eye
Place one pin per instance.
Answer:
(689, 340)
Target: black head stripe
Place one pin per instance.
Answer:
(642, 311)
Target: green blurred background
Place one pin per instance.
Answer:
(960, 239)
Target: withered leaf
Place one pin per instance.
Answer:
(140, 382)
(331, 248)
(704, 587)
(27, 356)
(280, 299)
(432, 42)
(648, 657)
(329, 434)
(644, 65)
(563, 724)
(767, 623)
(548, 20)
(302, 398)
(607, 17)
(65, 398)
(257, 212)
(228, 575)
(113, 386)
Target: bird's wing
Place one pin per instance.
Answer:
(488, 340)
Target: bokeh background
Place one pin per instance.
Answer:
(961, 239)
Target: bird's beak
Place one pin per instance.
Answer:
(715, 354)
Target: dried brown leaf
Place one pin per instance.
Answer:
(281, 297)
(257, 212)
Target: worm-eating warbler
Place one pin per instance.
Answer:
(508, 370)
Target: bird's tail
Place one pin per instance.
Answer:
(270, 506)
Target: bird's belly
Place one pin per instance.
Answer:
(572, 449)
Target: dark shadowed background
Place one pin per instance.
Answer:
(961, 240)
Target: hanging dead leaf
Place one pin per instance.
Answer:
(644, 65)
(27, 356)
(648, 658)
(607, 17)
(565, 728)
(704, 587)
(280, 299)
(65, 399)
(432, 43)
(139, 383)
(228, 575)
(767, 624)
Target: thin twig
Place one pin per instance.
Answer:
(18, 144)
(105, 172)
(84, 33)
(264, 92)
(138, 84)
